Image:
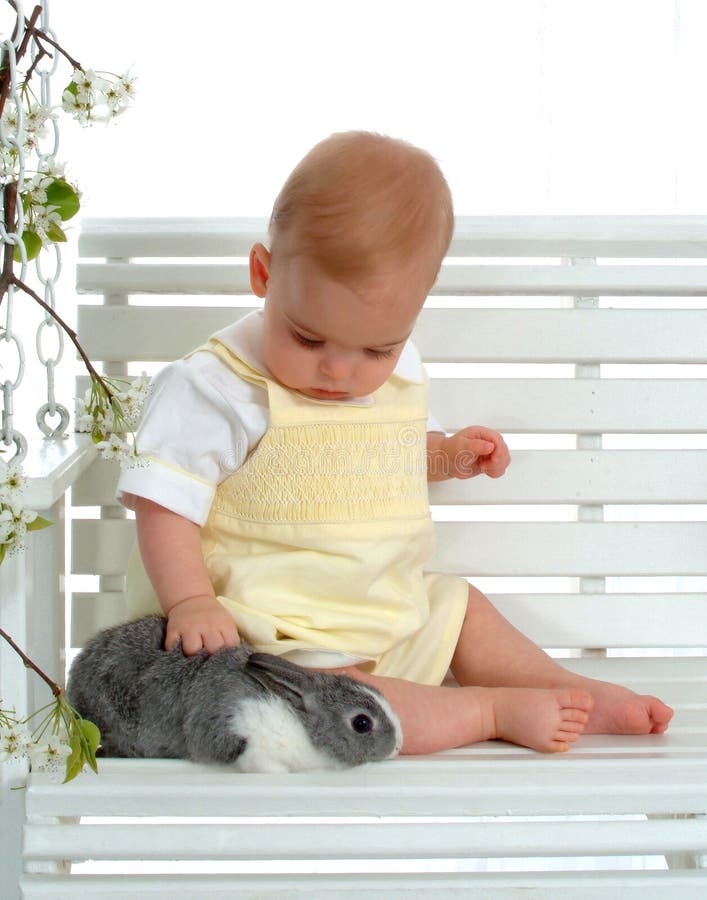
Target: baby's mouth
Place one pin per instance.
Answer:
(329, 395)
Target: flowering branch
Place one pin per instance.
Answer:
(21, 50)
(30, 664)
(31, 31)
(14, 280)
(34, 211)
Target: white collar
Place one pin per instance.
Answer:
(245, 339)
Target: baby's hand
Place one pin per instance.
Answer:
(201, 623)
(477, 450)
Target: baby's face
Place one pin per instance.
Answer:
(332, 340)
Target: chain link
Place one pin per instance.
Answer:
(11, 145)
(51, 407)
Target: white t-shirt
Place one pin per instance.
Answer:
(201, 421)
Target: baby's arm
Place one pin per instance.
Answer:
(170, 547)
(471, 451)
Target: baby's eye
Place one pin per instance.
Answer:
(381, 354)
(305, 341)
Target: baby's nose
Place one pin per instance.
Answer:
(337, 366)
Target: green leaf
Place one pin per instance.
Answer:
(91, 739)
(2, 551)
(33, 245)
(39, 523)
(61, 195)
(74, 762)
(73, 767)
(72, 88)
(56, 234)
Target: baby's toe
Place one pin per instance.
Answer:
(577, 716)
(660, 714)
(571, 727)
(568, 737)
(577, 701)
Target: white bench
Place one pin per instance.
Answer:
(582, 544)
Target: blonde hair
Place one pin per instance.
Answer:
(360, 202)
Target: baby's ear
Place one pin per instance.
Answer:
(259, 269)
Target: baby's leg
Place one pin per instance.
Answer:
(491, 651)
(438, 718)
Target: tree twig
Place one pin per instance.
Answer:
(68, 329)
(5, 69)
(9, 200)
(45, 37)
(30, 664)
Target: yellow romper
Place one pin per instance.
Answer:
(318, 541)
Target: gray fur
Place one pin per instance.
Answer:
(149, 702)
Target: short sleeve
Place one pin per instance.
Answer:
(411, 368)
(433, 423)
(190, 438)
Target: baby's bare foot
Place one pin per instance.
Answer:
(544, 720)
(618, 710)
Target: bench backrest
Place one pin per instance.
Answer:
(583, 340)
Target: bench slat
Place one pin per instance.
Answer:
(579, 620)
(586, 476)
(473, 280)
(92, 611)
(496, 784)
(550, 620)
(584, 885)
(564, 406)
(534, 477)
(364, 840)
(126, 333)
(481, 236)
(539, 549)
(532, 405)
(571, 548)
(191, 237)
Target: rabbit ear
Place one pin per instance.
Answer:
(280, 677)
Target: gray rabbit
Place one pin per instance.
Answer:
(253, 711)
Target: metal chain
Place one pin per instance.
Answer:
(12, 151)
(47, 158)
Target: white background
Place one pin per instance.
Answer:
(531, 106)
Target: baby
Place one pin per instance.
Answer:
(285, 500)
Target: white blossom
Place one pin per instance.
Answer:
(36, 118)
(14, 518)
(12, 483)
(85, 79)
(37, 188)
(44, 218)
(8, 163)
(15, 741)
(127, 84)
(114, 96)
(11, 117)
(84, 422)
(71, 104)
(7, 525)
(52, 168)
(49, 757)
(116, 447)
(85, 97)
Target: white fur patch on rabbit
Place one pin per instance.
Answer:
(392, 716)
(276, 739)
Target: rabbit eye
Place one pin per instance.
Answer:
(362, 724)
